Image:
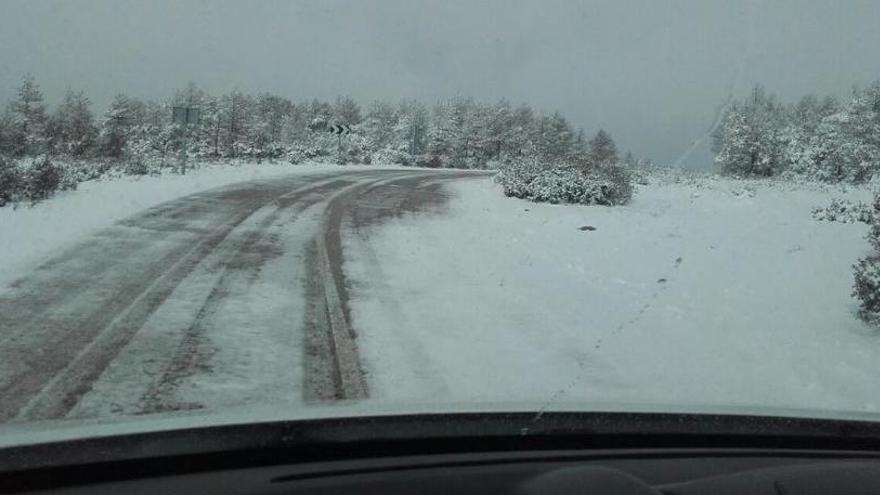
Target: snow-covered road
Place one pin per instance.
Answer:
(407, 286)
(226, 298)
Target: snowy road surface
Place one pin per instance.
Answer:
(225, 298)
(431, 287)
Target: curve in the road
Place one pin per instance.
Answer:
(61, 326)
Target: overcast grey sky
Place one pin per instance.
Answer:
(652, 72)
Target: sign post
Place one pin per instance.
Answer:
(339, 131)
(186, 117)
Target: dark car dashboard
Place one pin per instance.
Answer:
(466, 454)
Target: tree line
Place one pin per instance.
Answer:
(816, 138)
(459, 132)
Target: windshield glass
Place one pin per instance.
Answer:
(232, 211)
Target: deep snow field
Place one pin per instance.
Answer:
(702, 293)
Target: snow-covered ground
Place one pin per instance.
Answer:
(707, 293)
(29, 235)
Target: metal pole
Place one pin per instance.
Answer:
(183, 149)
(185, 143)
(412, 146)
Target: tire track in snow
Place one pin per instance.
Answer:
(188, 358)
(75, 314)
(372, 206)
(334, 370)
(57, 396)
(52, 398)
(56, 377)
(329, 327)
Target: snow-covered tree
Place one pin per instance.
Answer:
(26, 132)
(117, 121)
(346, 111)
(459, 132)
(71, 127)
(523, 120)
(411, 128)
(378, 124)
(498, 128)
(5, 131)
(270, 112)
(235, 116)
(603, 150)
(320, 113)
(843, 146)
(752, 137)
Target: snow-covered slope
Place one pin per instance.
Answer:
(710, 293)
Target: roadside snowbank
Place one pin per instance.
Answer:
(708, 292)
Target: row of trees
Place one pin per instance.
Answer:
(817, 138)
(458, 133)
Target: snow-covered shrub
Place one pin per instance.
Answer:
(434, 160)
(874, 232)
(136, 165)
(515, 177)
(41, 179)
(618, 183)
(391, 156)
(69, 179)
(640, 177)
(747, 191)
(601, 185)
(11, 181)
(429, 161)
(302, 153)
(867, 288)
(83, 170)
(867, 272)
(844, 211)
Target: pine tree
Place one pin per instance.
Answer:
(235, 116)
(5, 130)
(560, 137)
(295, 125)
(411, 129)
(115, 125)
(460, 132)
(752, 140)
(522, 127)
(72, 128)
(346, 111)
(378, 125)
(27, 130)
(499, 127)
(603, 151)
(270, 112)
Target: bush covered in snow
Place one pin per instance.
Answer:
(42, 179)
(867, 288)
(867, 272)
(10, 182)
(33, 180)
(844, 211)
(589, 185)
